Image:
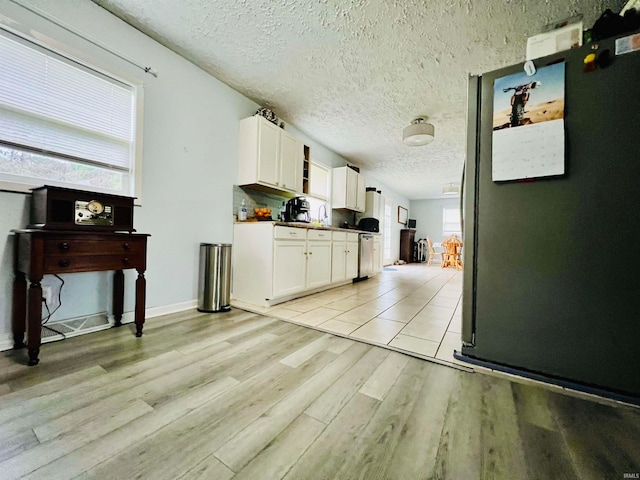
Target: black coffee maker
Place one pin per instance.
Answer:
(297, 210)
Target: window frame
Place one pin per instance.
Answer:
(446, 232)
(134, 187)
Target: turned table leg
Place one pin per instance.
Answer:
(141, 285)
(118, 297)
(19, 310)
(34, 324)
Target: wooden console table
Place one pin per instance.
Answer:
(41, 252)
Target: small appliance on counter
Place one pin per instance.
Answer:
(369, 224)
(297, 210)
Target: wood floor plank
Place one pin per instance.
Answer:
(238, 451)
(333, 447)
(249, 326)
(108, 405)
(108, 446)
(48, 387)
(208, 469)
(300, 356)
(18, 408)
(531, 403)
(594, 454)
(45, 453)
(328, 405)
(385, 376)
(339, 345)
(374, 447)
(418, 444)
(460, 450)
(12, 445)
(546, 453)
(502, 449)
(5, 389)
(278, 456)
(212, 425)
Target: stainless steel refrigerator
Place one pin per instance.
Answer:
(552, 263)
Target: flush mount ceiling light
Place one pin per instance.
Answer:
(418, 133)
(450, 189)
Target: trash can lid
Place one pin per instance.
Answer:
(215, 244)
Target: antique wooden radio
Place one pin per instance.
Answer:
(57, 208)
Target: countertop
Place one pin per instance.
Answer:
(309, 226)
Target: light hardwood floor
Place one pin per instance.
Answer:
(239, 395)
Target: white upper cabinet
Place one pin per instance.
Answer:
(348, 189)
(374, 205)
(360, 194)
(269, 156)
(319, 181)
(290, 162)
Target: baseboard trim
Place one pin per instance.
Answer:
(152, 312)
(6, 339)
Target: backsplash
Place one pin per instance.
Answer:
(258, 199)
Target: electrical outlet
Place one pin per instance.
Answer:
(47, 294)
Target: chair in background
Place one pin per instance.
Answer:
(452, 252)
(432, 251)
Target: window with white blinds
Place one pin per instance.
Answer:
(451, 221)
(62, 122)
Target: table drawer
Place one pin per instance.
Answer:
(57, 246)
(91, 263)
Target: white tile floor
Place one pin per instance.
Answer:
(412, 308)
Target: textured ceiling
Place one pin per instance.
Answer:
(352, 73)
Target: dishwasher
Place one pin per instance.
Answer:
(365, 257)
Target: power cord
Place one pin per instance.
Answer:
(50, 313)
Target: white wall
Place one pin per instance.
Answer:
(190, 161)
(428, 216)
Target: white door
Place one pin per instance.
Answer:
(290, 162)
(319, 263)
(268, 152)
(338, 261)
(351, 268)
(289, 266)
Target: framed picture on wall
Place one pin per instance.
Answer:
(402, 215)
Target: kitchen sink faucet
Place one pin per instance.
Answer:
(324, 218)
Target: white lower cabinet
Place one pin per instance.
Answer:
(318, 263)
(273, 263)
(344, 263)
(377, 254)
(338, 261)
(289, 267)
(352, 258)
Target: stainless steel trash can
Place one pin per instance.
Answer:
(214, 278)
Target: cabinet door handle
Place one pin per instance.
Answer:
(125, 261)
(126, 246)
(310, 253)
(64, 263)
(63, 246)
